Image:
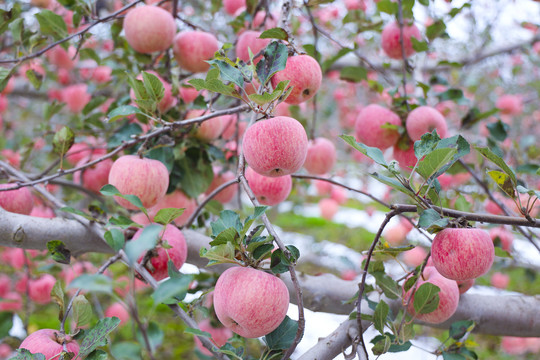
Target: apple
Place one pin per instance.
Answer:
(462, 254)
(514, 345)
(323, 187)
(405, 157)
(448, 297)
(220, 336)
(209, 129)
(149, 29)
(500, 280)
(391, 39)
(231, 123)
(39, 289)
(305, 75)
(448, 181)
(84, 150)
(118, 310)
(321, 156)
(510, 104)
(269, 190)
(249, 39)
(371, 127)
(11, 302)
(396, 234)
(188, 94)
(193, 48)
(3, 104)
(18, 201)
(465, 285)
(176, 252)
(49, 343)
(250, 302)
(76, 270)
(276, 146)
(5, 351)
(176, 199)
(221, 177)
(94, 177)
(146, 178)
(62, 58)
(5, 284)
(282, 109)
(338, 194)
(102, 74)
(328, 208)
(415, 256)
(425, 119)
(232, 6)
(76, 97)
(355, 5)
(348, 274)
(505, 237)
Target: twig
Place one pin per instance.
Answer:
(405, 65)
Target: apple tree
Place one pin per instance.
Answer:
(176, 174)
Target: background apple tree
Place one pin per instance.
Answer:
(327, 144)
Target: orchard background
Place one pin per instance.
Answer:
(411, 117)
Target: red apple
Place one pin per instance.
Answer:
(118, 310)
(18, 201)
(415, 256)
(396, 234)
(338, 194)
(146, 178)
(510, 104)
(221, 177)
(269, 190)
(188, 94)
(504, 236)
(305, 75)
(425, 119)
(232, 6)
(321, 156)
(500, 280)
(5, 284)
(276, 146)
(231, 123)
(84, 150)
(405, 157)
(249, 39)
(465, 285)
(93, 177)
(448, 297)
(328, 208)
(370, 127)
(39, 289)
(391, 36)
(49, 343)
(149, 29)
(76, 97)
(252, 303)
(193, 48)
(462, 254)
(209, 129)
(176, 252)
(11, 302)
(220, 336)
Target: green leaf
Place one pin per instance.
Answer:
(153, 86)
(197, 332)
(6, 323)
(57, 296)
(97, 336)
(275, 33)
(434, 161)
(23, 354)
(379, 316)
(426, 298)
(395, 184)
(257, 212)
(330, 61)
(431, 219)
(283, 336)
(373, 153)
(502, 253)
(382, 344)
(474, 115)
(172, 290)
(455, 95)
(387, 284)
(193, 172)
(115, 238)
(497, 160)
(229, 235)
(265, 98)
(52, 24)
(228, 72)
(123, 111)
(227, 219)
(262, 251)
(219, 254)
(63, 140)
(97, 355)
(353, 73)
(5, 75)
(427, 143)
(498, 130)
(387, 6)
(59, 252)
(452, 356)
(215, 85)
(167, 215)
(110, 190)
(504, 182)
(146, 241)
(81, 311)
(274, 59)
(126, 350)
(124, 134)
(35, 78)
(436, 29)
(92, 282)
(419, 45)
(458, 329)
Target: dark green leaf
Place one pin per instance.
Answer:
(373, 153)
(426, 298)
(153, 86)
(97, 355)
(59, 252)
(52, 24)
(124, 134)
(115, 238)
(497, 160)
(387, 6)
(434, 161)
(275, 33)
(274, 59)
(426, 144)
(6, 323)
(172, 290)
(229, 235)
(419, 45)
(436, 29)
(452, 356)
(227, 219)
(388, 285)
(123, 111)
(379, 316)
(283, 336)
(97, 336)
(167, 215)
(498, 130)
(82, 311)
(458, 329)
(23, 354)
(228, 72)
(353, 73)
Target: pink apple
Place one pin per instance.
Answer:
(276, 146)
(500, 280)
(323, 187)
(39, 289)
(177, 252)
(282, 109)
(415, 256)
(168, 101)
(252, 303)
(188, 94)
(505, 237)
(391, 40)
(231, 125)
(3, 104)
(176, 199)
(76, 97)
(118, 310)
(93, 177)
(396, 234)
(448, 297)
(514, 345)
(405, 157)
(5, 351)
(149, 29)
(209, 129)
(9, 86)
(146, 178)
(49, 343)
(220, 336)
(371, 127)
(249, 39)
(348, 274)
(84, 150)
(62, 58)
(18, 201)
(425, 119)
(355, 5)
(232, 6)
(5, 284)
(305, 75)
(448, 181)
(11, 302)
(14, 257)
(338, 194)
(102, 74)
(328, 208)
(462, 254)
(193, 48)
(510, 104)
(321, 156)
(464, 285)
(269, 190)
(221, 177)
